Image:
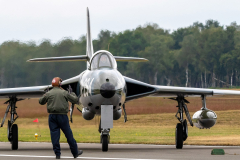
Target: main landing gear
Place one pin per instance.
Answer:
(12, 128)
(181, 132)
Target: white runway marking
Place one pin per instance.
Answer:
(34, 156)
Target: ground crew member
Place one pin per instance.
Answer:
(57, 107)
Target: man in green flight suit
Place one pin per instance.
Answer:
(57, 107)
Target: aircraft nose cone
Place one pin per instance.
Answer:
(107, 90)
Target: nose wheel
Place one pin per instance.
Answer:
(105, 139)
(105, 142)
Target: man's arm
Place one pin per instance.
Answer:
(72, 97)
(43, 99)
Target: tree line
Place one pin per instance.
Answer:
(200, 55)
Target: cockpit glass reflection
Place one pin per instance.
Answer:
(94, 64)
(114, 63)
(104, 61)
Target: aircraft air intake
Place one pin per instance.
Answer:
(107, 90)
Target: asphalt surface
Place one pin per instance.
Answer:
(40, 151)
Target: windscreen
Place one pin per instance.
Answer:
(94, 64)
(104, 61)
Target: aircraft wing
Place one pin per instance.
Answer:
(84, 58)
(137, 89)
(60, 59)
(23, 92)
(174, 91)
(36, 91)
(130, 59)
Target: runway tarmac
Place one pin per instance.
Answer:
(41, 151)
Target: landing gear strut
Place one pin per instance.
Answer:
(181, 132)
(125, 114)
(12, 128)
(104, 138)
(71, 112)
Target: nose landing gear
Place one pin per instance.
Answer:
(106, 122)
(104, 138)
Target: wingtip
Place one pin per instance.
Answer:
(31, 60)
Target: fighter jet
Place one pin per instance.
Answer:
(104, 91)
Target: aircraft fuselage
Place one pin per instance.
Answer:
(102, 86)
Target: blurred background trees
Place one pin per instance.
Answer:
(201, 55)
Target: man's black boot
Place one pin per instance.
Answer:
(79, 153)
(57, 157)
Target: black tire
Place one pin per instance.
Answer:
(104, 143)
(179, 136)
(14, 137)
(9, 132)
(185, 130)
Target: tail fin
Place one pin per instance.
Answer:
(89, 48)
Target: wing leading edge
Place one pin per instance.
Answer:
(170, 90)
(60, 59)
(137, 89)
(37, 91)
(23, 92)
(84, 58)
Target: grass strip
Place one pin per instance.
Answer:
(140, 129)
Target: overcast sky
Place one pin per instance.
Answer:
(27, 20)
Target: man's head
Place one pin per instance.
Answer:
(56, 82)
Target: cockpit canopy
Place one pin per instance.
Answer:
(103, 59)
